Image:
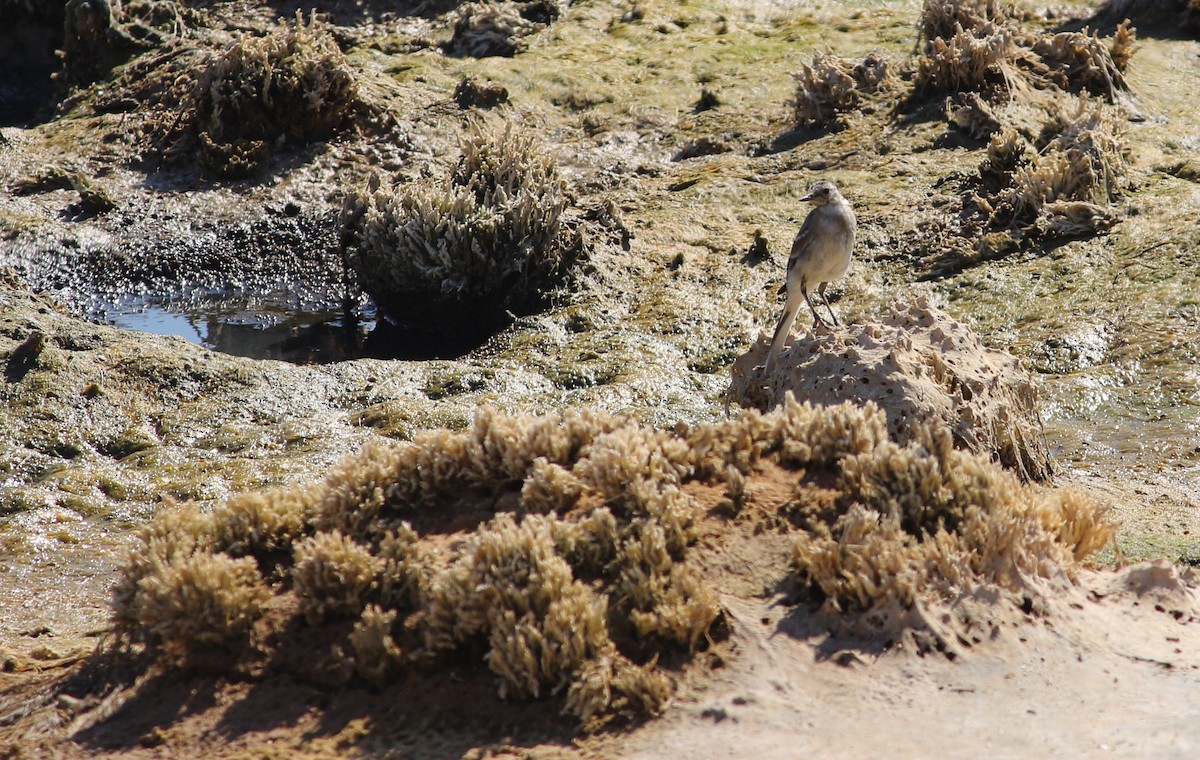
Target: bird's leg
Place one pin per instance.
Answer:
(821, 292)
(817, 318)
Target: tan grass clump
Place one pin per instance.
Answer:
(925, 526)
(994, 71)
(923, 487)
(364, 493)
(175, 533)
(428, 554)
(620, 460)
(611, 683)
(491, 237)
(830, 86)
(681, 609)
(333, 576)
(942, 18)
(291, 85)
(259, 524)
(979, 59)
(510, 445)
(404, 569)
(194, 601)
(1121, 48)
(1077, 61)
(511, 586)
(1006, 150)
(377, 657)
(486, 29)
(971, 114)
(550, 487)
(589, 544)
(1064, 186)
(1065, 189)
(360, 489)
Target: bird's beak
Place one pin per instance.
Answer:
(808, 197)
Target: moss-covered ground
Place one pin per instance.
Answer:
(106, 425)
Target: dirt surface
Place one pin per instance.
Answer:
(1107, 663)
(99, 426)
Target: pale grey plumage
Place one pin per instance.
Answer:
(820, 254)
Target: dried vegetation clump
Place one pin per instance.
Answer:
(1081, 61)
(942, 18)
(598, 540)
(1031, 189)
(332, 575)
(1062, 186)
(925, 531)
(178, 592)
(980, 46)
(498, 28)
(975, 59)
(427, 555)
(100, 34)
(971, 114)
(493, 236)
(831, 86)
(293, 84)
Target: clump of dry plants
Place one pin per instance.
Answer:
(292, 85)
(580, 567)
(493, 236)
(831, 86)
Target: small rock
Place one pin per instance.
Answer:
(847, 658)
(44, 653)
(153, 738)
(25, 356)
(471, 93)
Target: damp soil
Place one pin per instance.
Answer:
(106, 420)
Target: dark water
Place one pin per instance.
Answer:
(253, 327)
(270, 326)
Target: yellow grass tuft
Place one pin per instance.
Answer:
(194, 601)
(831, 86)
(377, 657)
(980, 59)
(491, 235)
(584, 567)
(292, 84)
(942, 18)
(333, 576)
(925, 525)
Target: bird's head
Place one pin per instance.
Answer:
(821, 192)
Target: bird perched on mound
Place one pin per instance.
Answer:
(820, 254)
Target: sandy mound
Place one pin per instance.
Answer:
(919, 365)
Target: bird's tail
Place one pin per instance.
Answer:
(781, 332)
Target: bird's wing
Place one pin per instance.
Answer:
(804, 238)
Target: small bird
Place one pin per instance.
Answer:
(820, 254)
